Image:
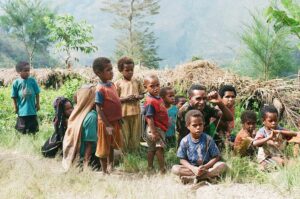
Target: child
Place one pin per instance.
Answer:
(63, 108)
(130, 91)
(157, 120)
(198, 153)
(179, 101)
(270, 139)
(109, 110)
(244, 139)
(167, 94)
(25, 94)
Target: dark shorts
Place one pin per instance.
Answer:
(27, 124)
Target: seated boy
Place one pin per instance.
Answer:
(243, 141)
(198, 153)
(270, 139)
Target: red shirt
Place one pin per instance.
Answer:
(155, 108)
(107, 96)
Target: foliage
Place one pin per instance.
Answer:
(70, 35)
(70, 87)
(25, 20)
(287, 15)
(137, 40)
(268, 52)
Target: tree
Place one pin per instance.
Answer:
(136, 39)
(70, 35)
(24, 20)
(268, 52)
(286, 15)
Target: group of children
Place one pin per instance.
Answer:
(203, 129)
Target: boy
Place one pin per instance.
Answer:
(244, 139)
(198, 153)
(270, 139)
(25, 94)
(179, 101)
(130, 91)
(167, 94)
(109, 111)
(198, 101)
(157, 120)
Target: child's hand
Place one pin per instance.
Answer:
(214, 97)
(155, 136)
(131, 98)
(109, 130)
(37, 106)
(201, 170)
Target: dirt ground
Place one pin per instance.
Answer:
(26, 176)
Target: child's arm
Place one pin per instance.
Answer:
(15, 105)
(260, 142)
(129, 98)
(37, 98)
(100, 112)
(154, 133)
(211, 162)
(287, 132)
(215, 98)
(191, 167)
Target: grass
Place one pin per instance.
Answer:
(26, 174)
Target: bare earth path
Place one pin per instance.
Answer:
(25, 176)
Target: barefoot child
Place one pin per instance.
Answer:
(130, 91)
(25, 94)
(270, 139)
(198, 153)
(109, 111)
(243, 141)
(167, 94)
(157, 120)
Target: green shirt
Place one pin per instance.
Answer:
(89, 131)
(25, 91)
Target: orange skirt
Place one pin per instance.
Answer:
(105, 141)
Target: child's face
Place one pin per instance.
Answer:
(128, 71)
(170, 97)
(270, 121)
(198, 99)
(181, 102)
(25, 72)
(107, 73)
(249, 126)
(229, 99)
(196, 127)
(68, 109)
(153, 86)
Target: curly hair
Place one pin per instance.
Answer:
(100, 63)
(21, 65)
(268, 109)
(225, 88)
(192, 113)
(123, 61)
(195, 87)
(164, 90)
(248, 116)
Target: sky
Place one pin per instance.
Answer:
(185, 28)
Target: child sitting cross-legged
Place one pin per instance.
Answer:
(243, 141)
(198, 153)
(271, 139)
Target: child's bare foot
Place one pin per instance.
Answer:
(187, 179)
(110, 168)
(163, 171)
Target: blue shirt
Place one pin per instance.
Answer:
(25, 91)
(172, 113)
(198, 152)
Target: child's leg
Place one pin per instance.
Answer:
(181, 170)
(87, 154)
(103, 162)
(161, 159)
(126, 132)
(279, 161)
(217, 169)
(150, 158)
(136, 132)
(110, 160)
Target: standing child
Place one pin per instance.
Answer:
(243, 141)
(130, 91)
(180, 100)
(25, 94)
(109, 110)
(168, 96)
(157, 123)
(270, 139)
(198, 153)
